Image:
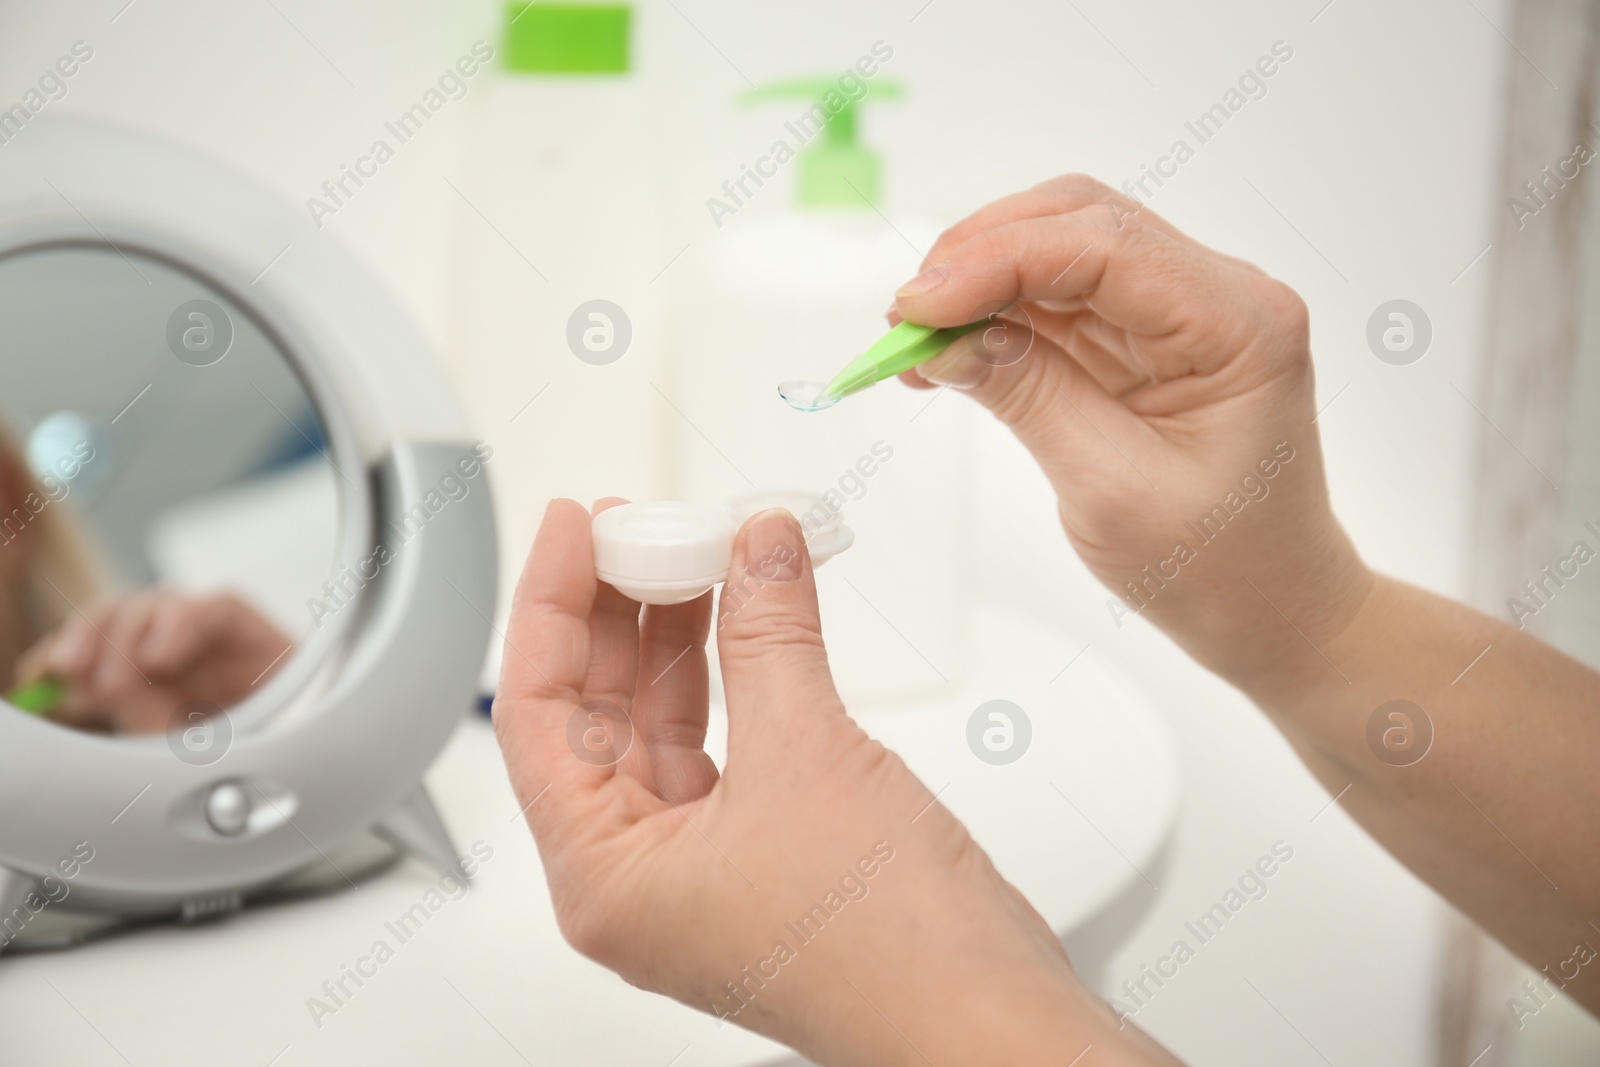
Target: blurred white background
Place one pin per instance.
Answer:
(1366, 173)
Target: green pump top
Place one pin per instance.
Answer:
(836, 170)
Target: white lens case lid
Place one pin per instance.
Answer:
(672, 551)
(823, 526)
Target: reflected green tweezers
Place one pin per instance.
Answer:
(38, 697)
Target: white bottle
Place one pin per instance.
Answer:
(796, 293)
(556, 332)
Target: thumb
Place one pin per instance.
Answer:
(1066, 419)
(769, 632)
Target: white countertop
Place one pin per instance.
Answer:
(488, 979)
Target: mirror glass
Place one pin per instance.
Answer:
(168, 508)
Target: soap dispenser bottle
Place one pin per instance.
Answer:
(796, 282)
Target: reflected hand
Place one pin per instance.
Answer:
(1168, 397)
(702, 887)
(131, 661)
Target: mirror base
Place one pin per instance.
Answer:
(412, 828)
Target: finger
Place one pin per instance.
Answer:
(225, 625)
(1135, 277)
(1057, 410)
(118, 673)
(545, 670)
(915, 380)
(1057, 196)
(181, 629)
(614, 666)
(75, 712)
(73, 654)
(671, 705)
(34, 663)
(146, 712)
(80, 708)
(1105, 351)
(769, 635)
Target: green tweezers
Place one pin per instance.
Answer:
(899, 350)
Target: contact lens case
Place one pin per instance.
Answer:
(672, 551)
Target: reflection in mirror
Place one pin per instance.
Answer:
(167, 507)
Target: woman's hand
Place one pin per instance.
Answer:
(131, 662)
(1168, 396)
(815, 891)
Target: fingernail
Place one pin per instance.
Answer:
(927, 281)
(956, 367)
(772, 547)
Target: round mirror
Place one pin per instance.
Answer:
(234, 478)
(169, 512)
